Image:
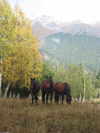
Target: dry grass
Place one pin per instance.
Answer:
(19, 116)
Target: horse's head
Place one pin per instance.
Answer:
(50, 83)
(68, 100)
(32, 83)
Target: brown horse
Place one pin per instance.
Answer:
(47, 87)
(34, 88)
(62, 89)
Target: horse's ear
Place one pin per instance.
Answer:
(30, 78)
(47, 77)
(51, 77)
(34, 79)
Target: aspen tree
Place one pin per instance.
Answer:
(22, 60)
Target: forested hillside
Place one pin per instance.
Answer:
(64, 48)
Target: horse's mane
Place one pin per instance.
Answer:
(67, 90)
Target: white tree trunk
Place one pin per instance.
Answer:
(7, 90)
(80, 99)
(0, 74)
(0, 82)
(10, 95)
(84, 86)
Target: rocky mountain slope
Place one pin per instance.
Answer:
(73, 42)
(44, 26)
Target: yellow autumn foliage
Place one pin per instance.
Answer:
(21, 59)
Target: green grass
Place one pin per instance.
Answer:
(19, 116)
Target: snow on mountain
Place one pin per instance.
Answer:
(48, 22)
(45, 20)
(52, 23)
(44, 26)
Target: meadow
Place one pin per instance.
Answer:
(20, 116)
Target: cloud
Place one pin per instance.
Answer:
(56, 40)
(64, 10)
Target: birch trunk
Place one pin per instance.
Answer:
(0, 74)
(0, 83)
(7, 90)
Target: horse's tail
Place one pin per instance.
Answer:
(67, 90)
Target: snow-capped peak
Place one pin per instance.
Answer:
(52, 23)
(45, 20)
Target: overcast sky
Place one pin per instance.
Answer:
(87, 11)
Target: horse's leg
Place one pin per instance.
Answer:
(51, 96)
(36, 98)
(43, 97)
(58, 98)
(47, 98)
(55, 97)
(32, 99)
(62, 98)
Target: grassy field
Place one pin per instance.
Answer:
(19, 116)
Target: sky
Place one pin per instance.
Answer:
(88, 11)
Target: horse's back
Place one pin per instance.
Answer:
(59, 87)
(56, 84)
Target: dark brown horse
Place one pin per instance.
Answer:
(34, 88)
(62, 89)
(47, 87)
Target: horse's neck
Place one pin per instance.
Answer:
(67, 89)
(33, 84)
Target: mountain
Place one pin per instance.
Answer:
(73, 42)
(63, 48)
(44, 26)
(41, 32)
(80, 28)
(48, 22)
